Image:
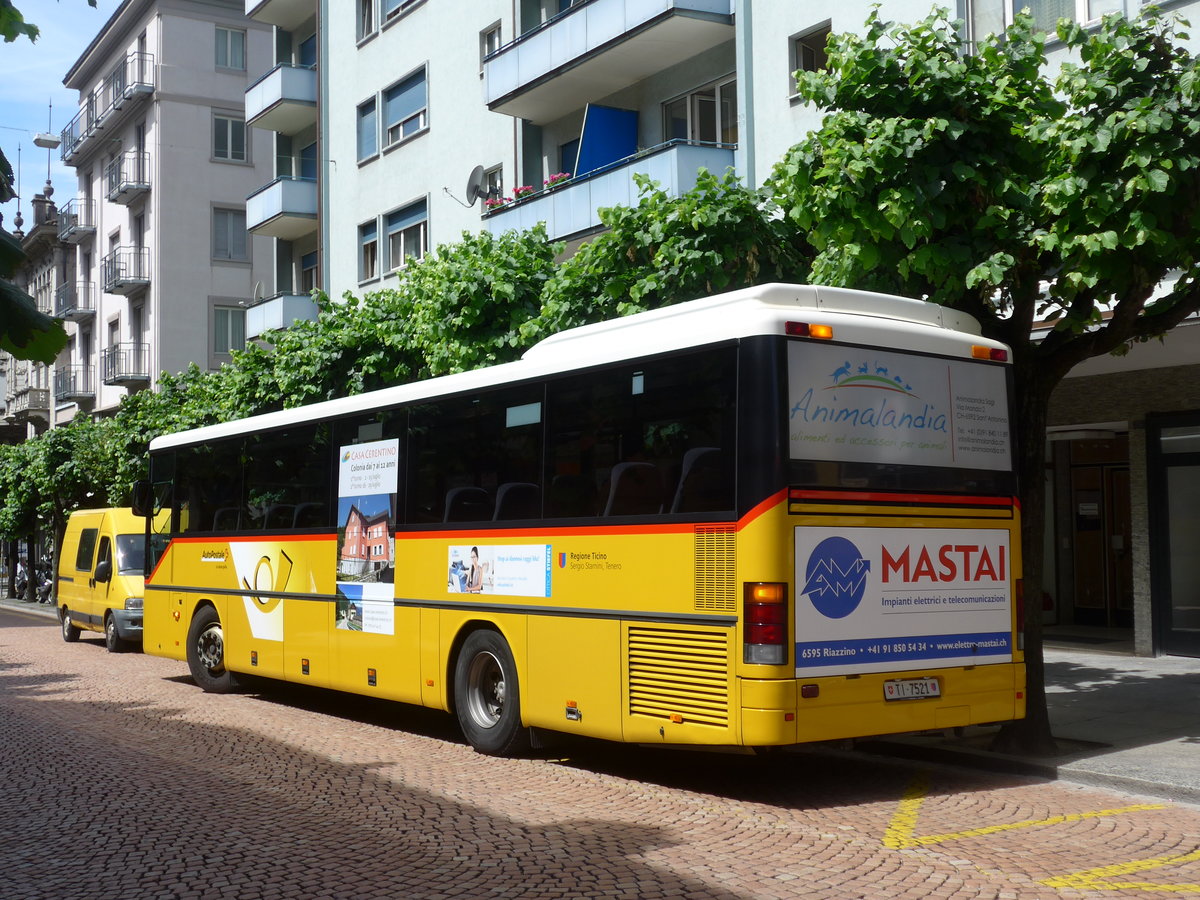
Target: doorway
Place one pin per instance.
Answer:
(1173, 453)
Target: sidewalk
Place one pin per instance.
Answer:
(1128, 722)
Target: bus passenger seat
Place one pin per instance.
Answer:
(635, 489)
(279, 516)
(700, 488)
(309, 515)
(570, 496)
(467, 504)
(518, 500)
(226, 519)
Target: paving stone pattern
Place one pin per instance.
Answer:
(124, 780)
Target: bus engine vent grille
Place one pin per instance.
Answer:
(716, 588)
(679, 675)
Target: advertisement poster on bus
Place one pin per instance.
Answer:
(862, 405)
(517, 570)
(887, 599)
(368, 479)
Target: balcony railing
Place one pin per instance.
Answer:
(283, 100)
(74, 384)
(570, 208)
(280, 311)
(130, 80)
(75, 301)
(76, 220)
(128, 177)
(286, 208)
(126, 363)
(30, 403)
(598, 47)
(126, 269)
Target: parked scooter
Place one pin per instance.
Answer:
(45, 583)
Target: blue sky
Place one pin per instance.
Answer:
(31, 77)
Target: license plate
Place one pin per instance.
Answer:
(911, 689)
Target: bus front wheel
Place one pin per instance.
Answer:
(486, 696)
(206, 653)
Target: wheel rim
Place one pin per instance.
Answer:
(66, 623)
(210, 649)
(485, 690)
(110, 631)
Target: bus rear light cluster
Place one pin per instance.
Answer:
(805, 329)
(995, 354)
(764, 623)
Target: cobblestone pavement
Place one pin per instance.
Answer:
(124, 780)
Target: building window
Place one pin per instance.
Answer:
(229, 234)
(231, 49)
(986, 17)
(404, 108)
(808, 51)
(368, 251)
(366, 18)
(308, 272)
(229, 139)
(489, 41)
(229, 329)
(368, 130)
(393, 8)
(406, 234)
(493, 183)
(708, 115)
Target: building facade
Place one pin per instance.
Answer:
(164, 267)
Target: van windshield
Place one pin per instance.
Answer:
(131, 554)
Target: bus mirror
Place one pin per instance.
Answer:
(143, 499)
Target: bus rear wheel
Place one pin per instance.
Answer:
(206, 653)
(486, 696)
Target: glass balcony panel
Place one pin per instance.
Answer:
(284, 100)
(286, 208)
(285, 14)
(280, 311)
(570, 208)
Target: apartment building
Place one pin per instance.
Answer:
(163, 269)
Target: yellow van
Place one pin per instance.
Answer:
(100, 576)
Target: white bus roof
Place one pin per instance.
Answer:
(859, 317)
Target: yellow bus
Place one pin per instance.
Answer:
(778, 515)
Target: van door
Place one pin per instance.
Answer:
(99, 589)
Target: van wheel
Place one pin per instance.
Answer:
(486, 696)
(206, 653)
(70, 633)
(112, 640)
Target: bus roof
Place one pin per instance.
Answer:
(859, 317)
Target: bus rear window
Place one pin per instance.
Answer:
(882, 420)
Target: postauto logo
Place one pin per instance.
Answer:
(835, 577)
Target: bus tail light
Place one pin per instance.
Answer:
(995, 354)
(764, 623)
(805, 329)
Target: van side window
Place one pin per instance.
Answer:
(87, 544)
(105, 551)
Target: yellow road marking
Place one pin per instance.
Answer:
(1094, 879)
(901, 830)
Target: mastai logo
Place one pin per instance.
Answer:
(836, 577)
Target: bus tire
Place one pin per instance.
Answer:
(70, 632)
(112, 641)
(206, 653)
(487, 698)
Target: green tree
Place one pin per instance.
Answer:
(719, 236)
(976, 180)
(25, 332)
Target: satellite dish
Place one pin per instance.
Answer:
(475, 185)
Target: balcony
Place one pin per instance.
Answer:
(76, 221)
(76, 301)
(286, 208)
(596, 48)
(30, 403)
(126, 270)
(129, 82)
(74, 384)
(125, 364)
(128, 177)
(570, 208)
(280, 311)
(285, 14)
(284, 100)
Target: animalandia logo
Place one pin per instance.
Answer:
(867, 375)
(835, 577)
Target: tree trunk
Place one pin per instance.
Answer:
(1032, 734)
